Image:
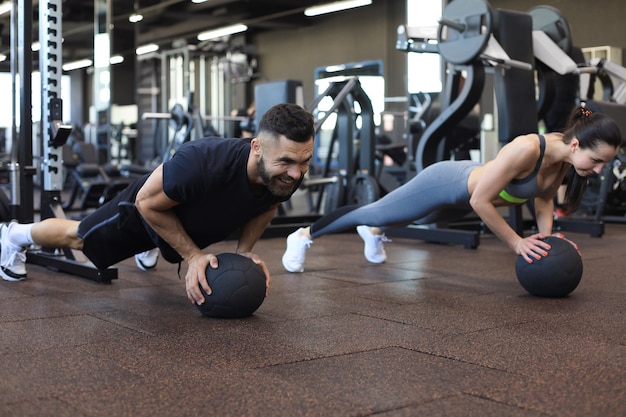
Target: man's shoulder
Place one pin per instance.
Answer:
(219, 142)
(214, 153)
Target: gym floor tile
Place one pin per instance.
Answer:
(437, 330)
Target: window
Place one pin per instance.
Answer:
(6, 116)
(423, 69)
(6, 110)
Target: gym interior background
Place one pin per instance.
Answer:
(276, 39)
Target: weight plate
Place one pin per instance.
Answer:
(334, 195)
(363, 189)
(545, 80)
(464, 30)
(552, 23)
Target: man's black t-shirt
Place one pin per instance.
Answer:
(209, 178)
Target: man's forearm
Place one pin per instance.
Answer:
(251, 232)
(167, 225)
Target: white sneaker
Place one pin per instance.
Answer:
(148, 259)
(297, 245)
(12, 257)
(374, 249)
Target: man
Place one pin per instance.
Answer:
(209, 189)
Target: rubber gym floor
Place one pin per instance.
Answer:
(438, 330)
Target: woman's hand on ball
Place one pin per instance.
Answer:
(532, 247)
(255, 258)
(562, 236)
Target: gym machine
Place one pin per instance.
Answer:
(89, 181)
(356, 165)
(551, 42)
(181, 130)
(471, 38)
(350, 178)
(203, 78)
(54, 136)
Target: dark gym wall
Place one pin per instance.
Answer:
(365, 33)
(592, 23)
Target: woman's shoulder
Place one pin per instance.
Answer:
(530, 140)
(523, 146)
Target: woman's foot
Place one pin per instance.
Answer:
(374, 249)
(297, 244)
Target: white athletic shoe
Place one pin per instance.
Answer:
(12, 257)
(148, 259)
(374, 249)
(297, 245)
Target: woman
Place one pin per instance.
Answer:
(530, 166)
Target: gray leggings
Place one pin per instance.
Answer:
(438, 193)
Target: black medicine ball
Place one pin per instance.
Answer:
(238, 286)
(555, 275)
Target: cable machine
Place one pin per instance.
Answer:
(201, 79)
(343, 169)
(54, 134)
(472, 39)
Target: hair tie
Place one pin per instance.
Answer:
(585, 111)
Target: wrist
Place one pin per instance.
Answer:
(516, 244)
(189, 256)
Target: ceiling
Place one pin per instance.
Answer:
(164, 21)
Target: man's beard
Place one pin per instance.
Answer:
(277, 185)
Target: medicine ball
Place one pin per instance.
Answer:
(238, 286)
(555, 275)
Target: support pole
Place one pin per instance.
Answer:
(54, 134)
(102, 78)
(21, 169)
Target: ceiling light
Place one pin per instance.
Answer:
(218, 33)
(5, 8)
(135, 17)
(77, 64)
(335, 7)
(146, 49)
(198, 1)
(116, 59)
(3, 57)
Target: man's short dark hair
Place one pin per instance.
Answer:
(290, 120)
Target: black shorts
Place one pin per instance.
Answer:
(115, 231)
